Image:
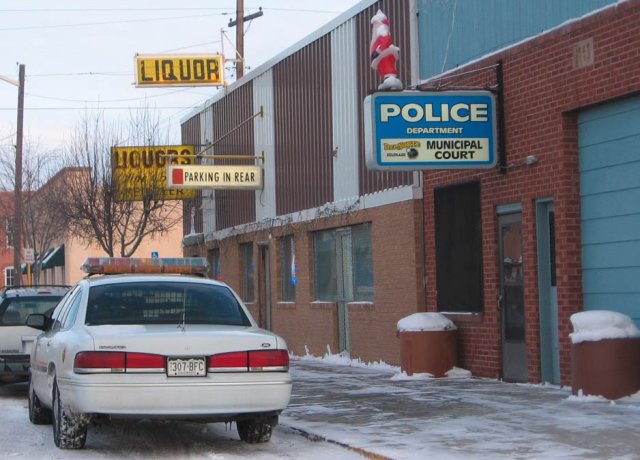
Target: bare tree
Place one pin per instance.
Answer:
(41, 225)
(91, 189)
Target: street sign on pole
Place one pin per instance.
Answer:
(29, 255)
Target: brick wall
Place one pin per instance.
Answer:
(309, 325)
(543, 90)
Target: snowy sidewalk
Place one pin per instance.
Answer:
(376, 411)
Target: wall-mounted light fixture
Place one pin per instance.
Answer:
(528, 161)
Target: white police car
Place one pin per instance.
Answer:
(150, 344)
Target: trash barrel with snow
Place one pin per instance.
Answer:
(427, 344)
(605, 354)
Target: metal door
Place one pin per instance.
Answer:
(514, 350)
(264, 288)
(547, 293)
(609, 160)
(344, 270)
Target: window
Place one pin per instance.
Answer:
(9, 276)
(17, 309)
(214, 262)
(324, 265)
(72, 312)
(458, 228)
(246, 252)
(9, 230)
(343, 264)
(288, 269)
(164, 303)
(362, 263)
(61, 309)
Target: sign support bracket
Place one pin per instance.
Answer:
(498, 90)
(502, 151)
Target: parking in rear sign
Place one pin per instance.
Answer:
(413, 130)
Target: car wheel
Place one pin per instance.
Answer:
(38, 414)
(253, 431)
(69, 430)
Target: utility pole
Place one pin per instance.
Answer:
(239, 23)
(17, 226)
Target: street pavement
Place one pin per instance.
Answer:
(381, 413)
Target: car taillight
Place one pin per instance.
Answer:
(90, 362)
(101, 362)
(252, 361)
(268, 360)
(229, 362)
(143, 362)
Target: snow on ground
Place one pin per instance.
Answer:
(373, 407)
(346, 409)
(21, 440)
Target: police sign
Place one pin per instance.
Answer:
(414, 130)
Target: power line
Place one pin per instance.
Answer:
(107, 100)
(190, 46)
(51, 10)
(128, 21)
(102, 23)
(100, 108)
(62, 10)
(88, 74)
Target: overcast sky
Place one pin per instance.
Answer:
(80, 54)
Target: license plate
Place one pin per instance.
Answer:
(186, 367)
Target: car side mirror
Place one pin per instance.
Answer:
(37, 321)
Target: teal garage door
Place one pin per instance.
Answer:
(609, 143)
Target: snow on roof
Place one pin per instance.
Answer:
(425, 321)
(598, 325)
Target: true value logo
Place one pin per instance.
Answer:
(414, 130)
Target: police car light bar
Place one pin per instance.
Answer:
(120, 265)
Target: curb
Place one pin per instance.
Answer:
(317, 438)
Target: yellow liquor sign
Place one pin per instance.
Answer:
(141, 171)
(179, 70)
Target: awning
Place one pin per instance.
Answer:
(40, 257)
(54, 259)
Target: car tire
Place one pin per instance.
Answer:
(38, 414)
(254, 431)
(69, 430)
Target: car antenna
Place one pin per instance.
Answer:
(182, 324)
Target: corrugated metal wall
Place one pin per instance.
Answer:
(445, 25)
(208, 206)
(345, 105)
(191, 135)
(397, 12)
(264, 144)
(234, 207)
(311, 132)
(303, 132)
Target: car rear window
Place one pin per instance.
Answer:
(163, 303)
(14, 311)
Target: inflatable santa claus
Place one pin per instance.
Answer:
(384, 54)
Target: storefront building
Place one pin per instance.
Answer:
(331, 255)
(553, 229)
(326, 253)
